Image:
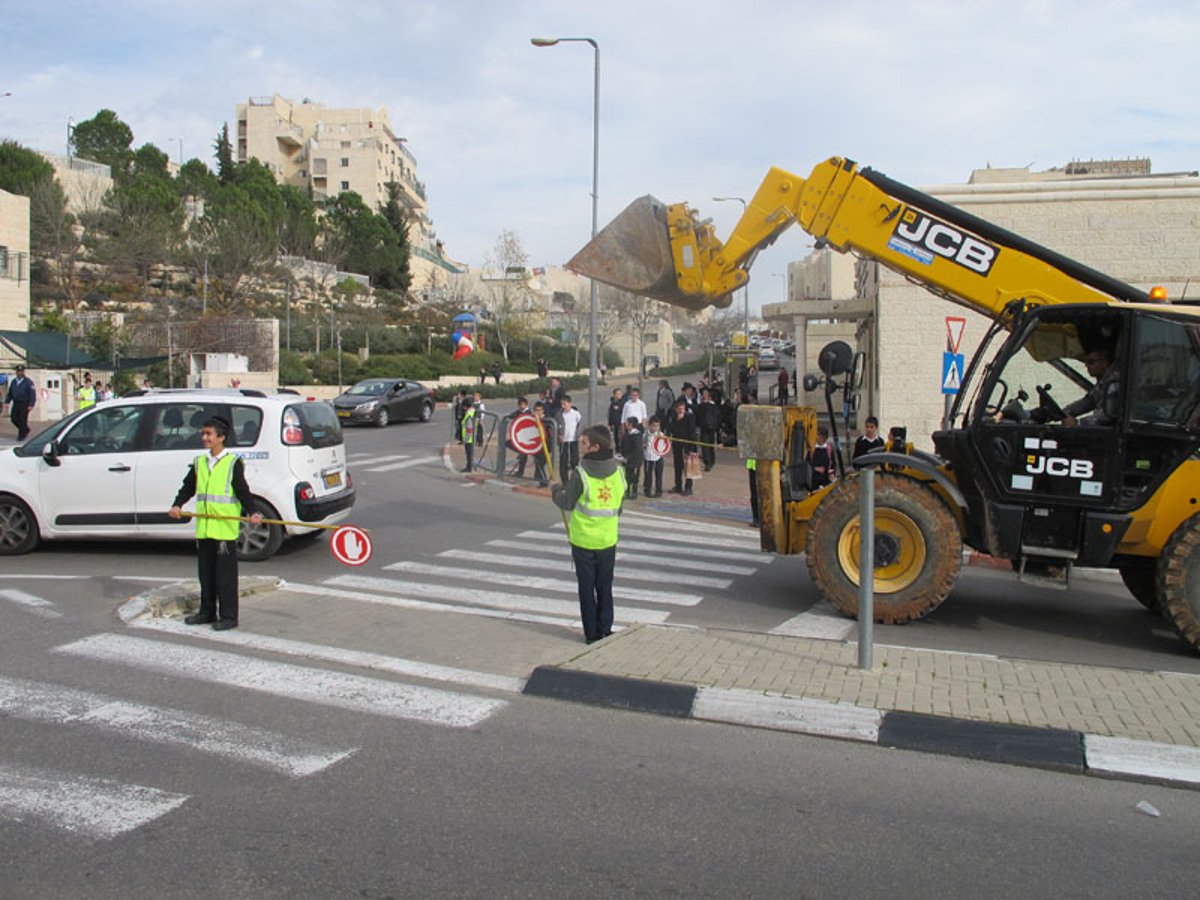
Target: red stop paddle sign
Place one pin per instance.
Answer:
(351, 546)
(523, 434)
(660, 444)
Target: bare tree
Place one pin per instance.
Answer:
(719, 323)
(508, 291)
(636, 313)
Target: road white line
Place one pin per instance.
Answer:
(370, 459)
(710, 528)
(420, 461)
(38, 577)
(801, 714)
(39, 606)
(659, 562)
(93, 807)
(1146, 758)
(499, 599)
(353, 692)
(533, 583)
(321, 590)
(624, 573)
(393, 665)
(745, 543)
(36, 702)
(660, 543)
(820, 622)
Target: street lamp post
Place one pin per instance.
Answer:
(592, 349)
(746, 287)
(180, 142)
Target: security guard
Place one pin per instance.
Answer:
(594, 496)
(87, 392)
(467, 433)
(218, 481)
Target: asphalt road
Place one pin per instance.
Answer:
(143, 764)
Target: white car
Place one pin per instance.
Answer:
(112, 470)
(767, 360)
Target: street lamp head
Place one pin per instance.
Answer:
(543, 42)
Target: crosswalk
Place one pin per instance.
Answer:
(665, 567)
(390, 462)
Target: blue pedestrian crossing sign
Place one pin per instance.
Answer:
(952, 372)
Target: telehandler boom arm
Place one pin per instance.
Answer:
(670, 254)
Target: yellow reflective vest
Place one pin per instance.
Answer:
(215, 497)
(87, 397)
(593, 523)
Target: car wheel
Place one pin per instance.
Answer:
(382, 418)
(426, 412)
(259, 542)
(18, 527)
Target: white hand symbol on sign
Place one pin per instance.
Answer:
(351, 546)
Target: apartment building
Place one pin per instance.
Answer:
(14, 262)
(327, 151)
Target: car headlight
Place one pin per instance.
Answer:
(363, 407)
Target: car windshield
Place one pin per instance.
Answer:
(321, 427)
(368, 388)
(37, 444)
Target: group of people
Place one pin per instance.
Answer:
(821, 456)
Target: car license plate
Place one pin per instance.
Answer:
(343, 413)
(332, 479)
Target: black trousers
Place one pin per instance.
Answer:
(708, 455)
(218, 569)
(754, 495)
(654, 470)
(633, 473)
(594, 572)
(681, 484)
(20, 418)
(568, 459)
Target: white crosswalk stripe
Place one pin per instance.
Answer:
(320, 686)
(325, 590)
(675, 525)
(819, 622)
(39, 606)
(533, 583)
(662, 544)
(33, 701)
(534, 562)
(369, 459)
(93, 807)
(747, 542)
(407, 464)
(661, 562)
(483, 597)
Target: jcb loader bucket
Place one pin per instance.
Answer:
(633, 253)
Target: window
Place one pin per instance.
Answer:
(651, 337)
(3, 260)
(111, 429)
(247, 423)
(177, 426)
(1166, 385)
(345, 185)
(345, 145)
(345, 162)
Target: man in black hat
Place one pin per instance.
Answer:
(21, 397)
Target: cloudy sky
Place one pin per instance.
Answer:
(697, 98)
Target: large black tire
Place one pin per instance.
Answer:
(1179, 581)
(426, 412)
(259, 542)
(1142, 581)
(382, 418)
(18, 527)
(918, 549)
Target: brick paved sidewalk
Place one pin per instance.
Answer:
(1145, 706)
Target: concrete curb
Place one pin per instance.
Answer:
(179, 598)
(1021, 745)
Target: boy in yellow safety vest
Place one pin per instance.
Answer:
(594, 495)
(218, 481)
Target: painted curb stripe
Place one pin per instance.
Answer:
(1148, 759)
(798, 714)
(660, 698)
(1047, 748)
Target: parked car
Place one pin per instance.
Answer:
(112, 470)
(380, 401)
(767, 360)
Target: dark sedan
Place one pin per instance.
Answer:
(379, 401)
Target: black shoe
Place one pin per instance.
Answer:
(687, 492)
(464, 470)
(658, 493)
(675, 491)
(543, 484)
(198, 619)
(224, 624)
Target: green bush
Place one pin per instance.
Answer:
(292, 368)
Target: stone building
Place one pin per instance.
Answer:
(14, 263)
(1114, 216)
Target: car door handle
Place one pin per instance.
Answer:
(120, 467)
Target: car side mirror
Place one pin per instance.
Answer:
(50, 454)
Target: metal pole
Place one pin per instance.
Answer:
(866, 567)
(593, 362)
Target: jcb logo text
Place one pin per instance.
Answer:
(946, 240)
(1058, 465)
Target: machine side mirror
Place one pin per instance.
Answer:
(811, 382)
(50, 454)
